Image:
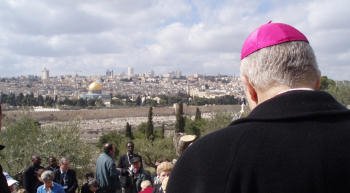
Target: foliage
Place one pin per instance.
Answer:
(326, 83)
(149, 129)
(128, 131)
(113, 137)
(341, 92)
(194, 127)
(220, 120)
(198, 115)
(162, 131)
(159, 149)
(180, 119)
(25, 137)
(338, 89)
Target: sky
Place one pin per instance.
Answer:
(88, 37)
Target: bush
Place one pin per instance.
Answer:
(25, 137)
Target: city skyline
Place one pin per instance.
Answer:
(193, 36)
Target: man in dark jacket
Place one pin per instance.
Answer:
(106, 170)
(30, 177)
(295, 140)
(66, 176)
(124, 164)
(53, 165)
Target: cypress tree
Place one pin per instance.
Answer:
(150, 127)
(198, 115)
(162, 131)
(180, 120)
(128, 132)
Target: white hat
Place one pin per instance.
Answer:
(9, 179)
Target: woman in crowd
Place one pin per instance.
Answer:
(163, 171)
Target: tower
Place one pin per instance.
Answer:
(45, 74)
(130, 72)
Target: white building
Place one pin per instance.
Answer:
(130, 72)
(45, 74)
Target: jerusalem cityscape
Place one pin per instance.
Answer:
(174, 96)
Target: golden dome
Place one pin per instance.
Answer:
(95, 86)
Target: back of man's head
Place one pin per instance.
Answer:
(108, 148)
(278, 55)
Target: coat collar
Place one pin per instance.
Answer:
(295, 104)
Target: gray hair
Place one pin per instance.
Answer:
(47, 176)
(292, 64)
(64, 159)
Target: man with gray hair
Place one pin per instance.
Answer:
(66, 176)
(295, 140)
(49, 185)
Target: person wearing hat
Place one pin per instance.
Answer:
(124, 164)
(137, 175)
(3, 183)
(296, 138)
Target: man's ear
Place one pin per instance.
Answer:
(251, 90)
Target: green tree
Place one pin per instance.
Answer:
(162, 131)
(198, 116)
(149, 130)
(40, 100)
(113, 137)
(193, 127)
(341, 92)
(326, 83)
(138, 101)
(19, 99)
(159, 149)
(128, 131)
(180, 119)
(25, 137)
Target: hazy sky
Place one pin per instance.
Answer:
(194, 36)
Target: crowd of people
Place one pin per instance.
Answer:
(128, 176)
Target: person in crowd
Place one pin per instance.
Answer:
(165, 184)
(124, 165)
(295, 139)
(66, 176)
(21, 190)
(3, 182)
(146, 187)
(138, 174)
(163, 171)
(85, 187)
(106, 170)
(49, 185)
(11, 183)
(93, 185)
(30, 180)
(38, 176)
(53, 165)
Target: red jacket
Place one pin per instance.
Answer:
(147, 190)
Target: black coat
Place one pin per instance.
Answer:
(30, 179)
(124, 160)
(3, 183)
(296, 142)
(68, 181)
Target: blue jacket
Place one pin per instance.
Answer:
(56, 188)
(107, 173)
